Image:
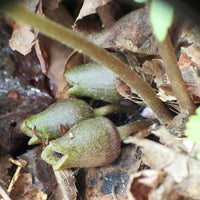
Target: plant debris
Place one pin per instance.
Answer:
(157, 163)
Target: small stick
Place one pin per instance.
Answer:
(37, 135)
(4, 194)
(20, 164)
(63, 129)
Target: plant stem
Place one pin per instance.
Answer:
(128, 129)
(72, 39)
(179, 88)
(108, 109)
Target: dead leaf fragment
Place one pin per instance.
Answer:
(178, 166)
(23, 189)
(21, 186)
(22, 39)
(74, 59)
(191, 77)
(89, 7)
(142, 183)
(23, 36)
(57, 53)
(131, 32)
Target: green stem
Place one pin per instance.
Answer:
(72, 39)
(108, 109)
(128, 129)
(176, 80)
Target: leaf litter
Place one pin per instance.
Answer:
(167, 167)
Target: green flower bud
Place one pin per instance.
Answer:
(93, 80)
(90, 143)
(48, 123)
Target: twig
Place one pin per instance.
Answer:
(20, 165)
(100, 55)
(4, 194)
(37, 135)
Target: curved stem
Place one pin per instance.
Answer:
(108, 109)
(178, 85)
(128, 129)
(72, 39)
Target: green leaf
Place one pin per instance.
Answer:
(193, 127)
(161, 16)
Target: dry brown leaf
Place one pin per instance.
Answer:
(57, 52)
(41, 172)
(191, 77)
(42, 55)
(184, 60)
(88, 21)
(90, 7)
(155, 69)
(190, 36)
(183, 169)
(169, 139)
(126, 92)
(22, 39)
(132, 32)
(109, 13)
(21, 186)
(193, 52)
(74, 59)
(23, 36)
(141, 184)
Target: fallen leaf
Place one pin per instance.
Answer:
(177, 125)
(73, 60)
(131, 32)
(141, 184)
(191, 77)
(185, 179)
(89, 7)
(23, 36)
(57, 53)
(22, 39)
(40, 171)
(191, 50)
(21, 186)
(125, 91)
(109, 13)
